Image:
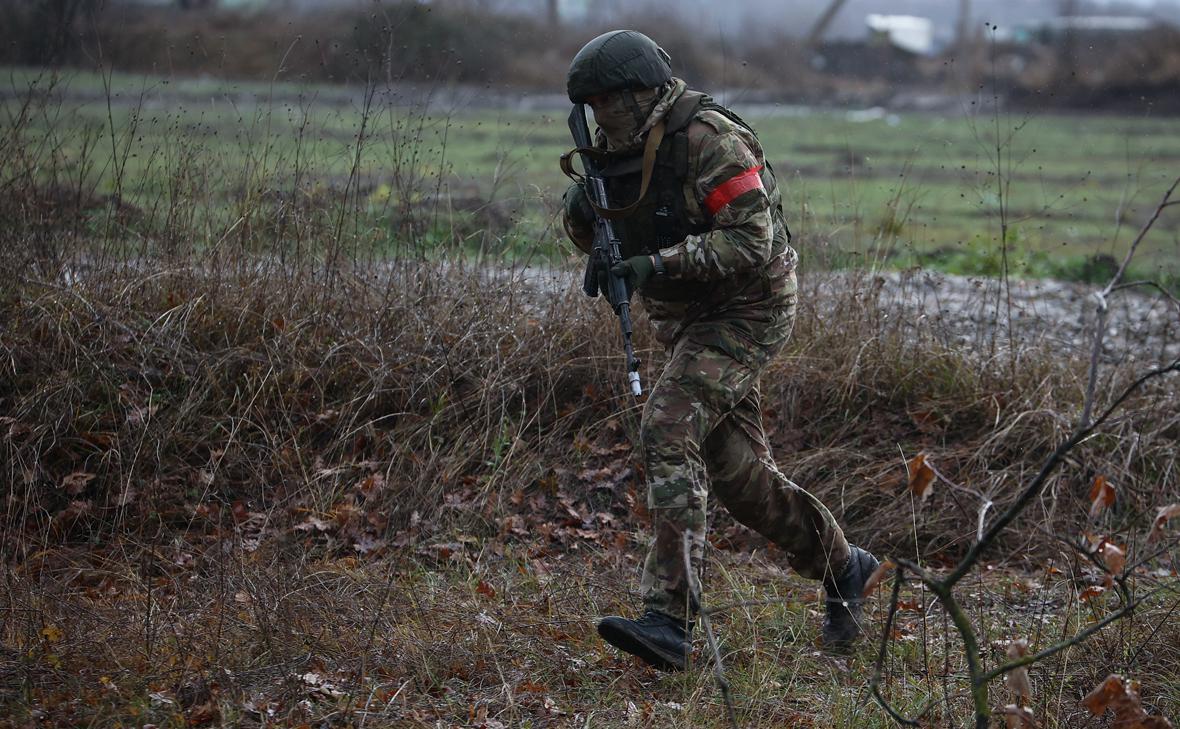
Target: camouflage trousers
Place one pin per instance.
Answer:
(702, 428)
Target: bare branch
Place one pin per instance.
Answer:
(982, 517)
(924, 574)
(1143, 230)
(1103, 309)
(1163, 292)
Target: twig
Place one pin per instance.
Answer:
(943, 588)
(878, 668)
(1103, 308)
(982, 517)
(1163, 292)
(718, 669)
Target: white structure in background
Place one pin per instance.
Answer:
(907, 32)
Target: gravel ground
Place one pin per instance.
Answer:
(1142, 324)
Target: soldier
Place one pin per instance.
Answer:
(706, 246)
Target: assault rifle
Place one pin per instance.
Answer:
(606, 251)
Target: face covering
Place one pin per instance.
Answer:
(620, 118)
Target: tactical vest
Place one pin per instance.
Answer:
(661, 219)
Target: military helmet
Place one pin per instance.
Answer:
(614, 61)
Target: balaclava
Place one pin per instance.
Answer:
(623, 115)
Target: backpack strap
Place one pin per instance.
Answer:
(654, 137)
(684, 110)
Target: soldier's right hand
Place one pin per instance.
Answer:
(578, 212)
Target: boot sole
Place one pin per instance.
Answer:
(651, 654)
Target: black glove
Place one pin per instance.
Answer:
(577, 207)
(636, 269)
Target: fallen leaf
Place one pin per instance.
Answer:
(205, 713)
(1102, 496)
(372, 483)
(74, 511)
(1161, 519)
(1122, 698)
(874, 580)
(313, 523)
(1114, 557)
(921, 478)
(1017, 679)
(76, 482)
(1091, 592)
(368, 545)
(1100, 698)
(101, 440)
(1018, 717)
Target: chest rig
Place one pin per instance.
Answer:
(661, 218)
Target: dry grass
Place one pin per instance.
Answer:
(500, 635)
(251, 484)
(412, 487)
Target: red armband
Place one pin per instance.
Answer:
(728, 191)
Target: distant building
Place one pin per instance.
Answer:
(907, 32)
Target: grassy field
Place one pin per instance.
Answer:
(277, 451)
(909, 189)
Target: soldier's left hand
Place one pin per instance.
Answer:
(636, 269)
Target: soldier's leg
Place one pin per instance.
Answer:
(699, 386)
(751, 487)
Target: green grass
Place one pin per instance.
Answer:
(910, 188)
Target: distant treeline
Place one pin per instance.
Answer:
(407, 41)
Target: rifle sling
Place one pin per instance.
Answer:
(650, 147)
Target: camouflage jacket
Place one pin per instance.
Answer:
(739, 270)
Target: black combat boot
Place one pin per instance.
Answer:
(842, 622)
(660, 640)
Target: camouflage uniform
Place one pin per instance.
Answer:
(724, 309)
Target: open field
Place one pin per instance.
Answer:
(293, 433)
(863, 187)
